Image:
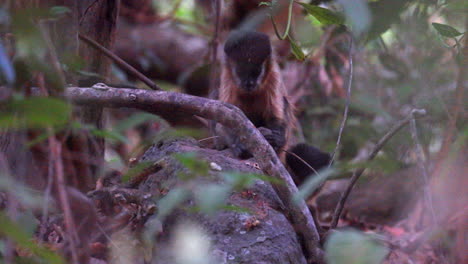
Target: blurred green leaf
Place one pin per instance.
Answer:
(240, 181)
(57, 11)
(73, 63)
(193, 163)
(368, 104)
(134, 120)
(4, 16)
(29, 41)
(384, 14)
(31, 48)
(381, 163)
(325, 16)
(296, 50)
(265, 4)
(15, 232)
(312, 182)
(35, 112)
(26, 196)
(7, 73)
(185, 132)
(446, 30)
(28, 222)
(357, 14)
(234, 208)
(353, 247)
(171, 201)
(103, 133)
(211, 197)
(109, 134)
(152, 228)
(134, 171)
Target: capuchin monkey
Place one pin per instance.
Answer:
(251, 80)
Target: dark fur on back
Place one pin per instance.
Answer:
(312, 155)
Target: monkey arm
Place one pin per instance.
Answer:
(275, 133)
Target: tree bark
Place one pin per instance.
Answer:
(229, 116)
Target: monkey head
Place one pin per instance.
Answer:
(247, 53)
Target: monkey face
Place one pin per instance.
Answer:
(248, 76)
(247, 53)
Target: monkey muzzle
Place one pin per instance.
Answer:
(249, 86)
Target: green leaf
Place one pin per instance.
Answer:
(296, 50)
(325, 16)
(134, 171)
(169, 202)
(357, 14)
(193, 163)
(384, 14)
(238, 209)
(57, 11)
(312, 183)
(111, 135)
(446, 30)
(35, 112)
(211, 197)
(26, 196)
(28, 222)
(7, 73)
(239, 181)
(265, 4)
(134, 120)
(353, 247)
(15, 232)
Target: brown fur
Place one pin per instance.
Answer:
(268, 101)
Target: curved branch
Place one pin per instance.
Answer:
(117, 60)
(344, 196)
(229, 116)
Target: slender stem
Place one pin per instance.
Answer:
(215, 43)
(424, 172)
(347, 102)
(55, 149)
(124, 65)
(344, 196)
(288, 25)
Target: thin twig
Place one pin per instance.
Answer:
(51, 50)
(347, 102)
(457, 107)
(301, 160)
(214, 44)
(424, 172)
(288, 24)
(208, 138)
(339, 207)
(55, 149)
(50, 169)
(120, 62)
(317, 223)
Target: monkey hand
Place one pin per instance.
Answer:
(274, 137)
(239, 151)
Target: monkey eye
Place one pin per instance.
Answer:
(255, 73)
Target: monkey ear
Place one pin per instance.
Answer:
(248, 46)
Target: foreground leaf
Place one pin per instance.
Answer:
(446, 30)
(325, 16)
(353, 247)
(36, 112)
